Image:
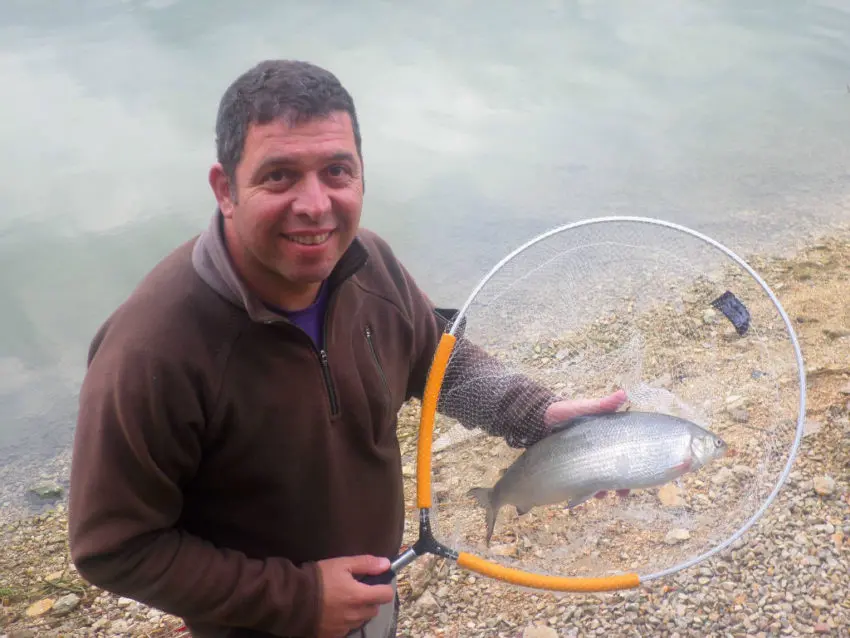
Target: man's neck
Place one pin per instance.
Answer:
(269, 286)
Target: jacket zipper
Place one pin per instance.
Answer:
(323, 360)
(326, 373)
(375, 358)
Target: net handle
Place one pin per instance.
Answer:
(541, 581)
(426, 419)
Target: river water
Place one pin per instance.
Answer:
(484, 124)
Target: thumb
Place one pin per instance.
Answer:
(611, 402)
(366, 564)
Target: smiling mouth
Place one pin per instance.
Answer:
(308, 240)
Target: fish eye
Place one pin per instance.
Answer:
(718, 442)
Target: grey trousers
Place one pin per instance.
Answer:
(383, 625)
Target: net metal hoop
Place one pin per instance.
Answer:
(457, 320)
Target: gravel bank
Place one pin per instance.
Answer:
(789, 576)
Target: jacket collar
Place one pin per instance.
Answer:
(212, 262)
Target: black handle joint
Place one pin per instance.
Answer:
(384, 578)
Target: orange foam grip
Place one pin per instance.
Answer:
(426, 419)
(539, 581)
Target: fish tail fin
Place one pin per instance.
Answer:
(484, 496)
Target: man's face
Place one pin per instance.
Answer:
(295, 206)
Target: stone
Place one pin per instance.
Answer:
(426, 602)
(724, 475)
(66, 604)
(812, 426)
(824, 485)
(46, 490)
(100, 623)
(739, 415)
(675, 536)
(670, 495)
(504, 550)
(39, 608)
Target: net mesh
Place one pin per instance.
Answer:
(581, 314)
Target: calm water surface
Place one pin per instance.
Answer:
(483, 123)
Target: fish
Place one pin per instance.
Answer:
(589, 454)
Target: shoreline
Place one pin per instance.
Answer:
(812, 284)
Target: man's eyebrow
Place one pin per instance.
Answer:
(284, 160)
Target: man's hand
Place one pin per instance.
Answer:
(570, 408)
(346, 602)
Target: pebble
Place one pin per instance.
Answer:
(739, 415)
(724, 474)
(824, 485)
(65, 605)
(41, 607)
(670, 495)
(46, 490)
(119, 627)
(534, 631)
(675, 536)
(812, 427)
(426, 602)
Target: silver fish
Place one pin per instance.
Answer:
(596, 453)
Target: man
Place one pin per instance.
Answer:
(235, 461)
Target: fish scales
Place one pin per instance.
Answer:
(630, 452)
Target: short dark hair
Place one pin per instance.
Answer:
(290, 89)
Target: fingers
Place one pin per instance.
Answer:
(606, 404)
(374, 594)
(572, 408)
(371, 565)
(371, 595)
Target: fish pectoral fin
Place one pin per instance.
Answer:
(684, 466)
(522, 509)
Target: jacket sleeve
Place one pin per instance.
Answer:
(138, 441)
(477, 390)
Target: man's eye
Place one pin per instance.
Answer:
(275, 176)
(337, 170)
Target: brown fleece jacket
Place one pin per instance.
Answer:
(218, 454)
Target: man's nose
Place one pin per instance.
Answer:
(311, 198)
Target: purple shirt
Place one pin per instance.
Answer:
(312, 318)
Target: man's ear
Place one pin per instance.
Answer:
(221, 187)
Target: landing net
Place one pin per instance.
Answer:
(669, 315)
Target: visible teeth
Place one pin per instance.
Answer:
(309, 240)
